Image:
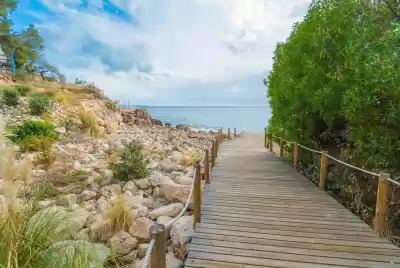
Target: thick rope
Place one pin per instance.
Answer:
(150, 248)
(309, 149)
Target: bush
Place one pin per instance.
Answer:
(10, 96)
(39, 103)
(45, 190)
(112, 105)
(61, 98)
(89, 123)
(25, 134)
(132, 164)
(46, 156)
(23, 89)
(120, 215)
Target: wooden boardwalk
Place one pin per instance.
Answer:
(259, 212)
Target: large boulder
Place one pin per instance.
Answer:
(87, 195)
(143, 184)
(101, 230)
(122, 243)
(67, 200)
(182, 230)
(111, 190)
(74, 222)
(183, 180)
(171, 210)
(97, 253)
(131, 187)
(140, 229)
(139, 117)
(157, 179)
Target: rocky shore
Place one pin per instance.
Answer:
(86, 189)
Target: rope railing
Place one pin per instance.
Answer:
(156, 251)
(382, 202)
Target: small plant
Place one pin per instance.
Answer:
(46, 156)
(77, 173)
(120, 215)
(23, 90)
(10, 96)
(67, 123)
(45, 190)
(112, 105)
(24, 134)
(61, 98)
(89, 123)
(39, 103)
(47, 117)
(132, 164)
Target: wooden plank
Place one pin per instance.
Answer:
(304, 245)
(296, 251)
(268, 256)
(295, 228)
(311, 233)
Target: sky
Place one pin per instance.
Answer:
(165, 52)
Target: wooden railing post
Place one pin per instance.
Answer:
(322, 172)
(382, 204)
(158, 257)
(216, 147)
(271, 143)
(221, 136)
(206, 168)
(213, 153)
(229, 133)
(296, 155)
(265, 139)
(281, 148)
(234, 133)
(197, 196)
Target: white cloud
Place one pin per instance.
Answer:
(171, 48)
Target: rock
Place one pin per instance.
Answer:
(111, 190)
(98, 253)
(160, 202)
(128, 258)
(164, 220)
(140, 229)
(141, 211)
(182, 230)
(74, 222)
(156, 122)
(87, 195)
(143, 184)
(175, 174)
(171, 167)
(175, 156)
(183, 180)
(82, 234)
(172, 261)
(102, 205)
(148, 202)
(175, 192)
(157, 179)
(122, 243)
(142, 249)
(152, 165)
(67, 200)
(181, 126)
(131, 187)
(61, 130)
(171, 210)
(77, 165)
(101, 230)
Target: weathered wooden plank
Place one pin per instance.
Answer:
(260, 212)
(310, 233)
(296, 251)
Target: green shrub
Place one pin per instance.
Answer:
(132, 164)
(30, 130)
(112, 105)
(23, 89)
(45, 190)
(89, 123)
(10, 96)
(39, 103)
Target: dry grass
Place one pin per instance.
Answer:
(89, 123)
(120, 215)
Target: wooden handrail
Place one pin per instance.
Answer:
(382, 200)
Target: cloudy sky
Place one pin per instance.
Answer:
(166, 52)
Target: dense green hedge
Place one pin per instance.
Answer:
(339, 70)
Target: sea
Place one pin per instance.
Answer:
(243, 118)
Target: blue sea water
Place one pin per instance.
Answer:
(243, 118)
